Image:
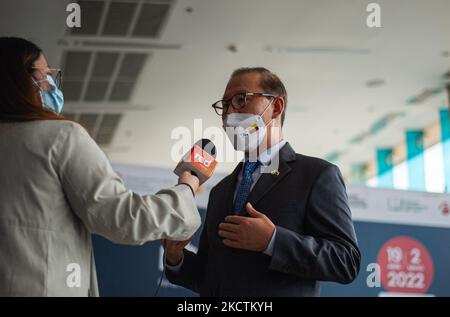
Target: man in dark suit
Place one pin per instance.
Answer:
(270, 230)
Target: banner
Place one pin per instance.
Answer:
(403, 237)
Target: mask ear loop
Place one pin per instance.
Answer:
(36, 82)
(254, 127)
(50, 82)
(264, 111)
(41, 90)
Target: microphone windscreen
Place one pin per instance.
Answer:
(207, 146)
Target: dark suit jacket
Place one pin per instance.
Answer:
(315, 239)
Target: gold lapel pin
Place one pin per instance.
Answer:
(276, 172)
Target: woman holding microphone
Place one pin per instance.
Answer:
(57, 187)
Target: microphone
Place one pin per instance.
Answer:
(200, 160)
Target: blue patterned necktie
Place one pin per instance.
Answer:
(244, 187)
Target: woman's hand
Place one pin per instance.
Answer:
(187, 178)
(174, 250)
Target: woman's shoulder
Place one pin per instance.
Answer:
(61, 124)
(44, 136)
(60, 127)
(38, 128)
(57, 131)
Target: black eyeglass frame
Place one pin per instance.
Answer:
(221, 106)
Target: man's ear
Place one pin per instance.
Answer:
(278, 107)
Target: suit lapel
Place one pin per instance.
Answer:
(229, 187)
(270, 178)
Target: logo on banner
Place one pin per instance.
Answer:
(406, 266)
(396, 204)
(357, 201)
(445, 209)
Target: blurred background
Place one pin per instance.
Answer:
(371, 100)
(374, 101)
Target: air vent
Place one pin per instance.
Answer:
(91, 12)
(72, 90)
(119, 18)
(89, 120)
(96, 91)
(102, 73)
(102, 127)
(101, 76)
(130, 69)
(131, 18)
(151, 19)
(75, 68)
(107, 128)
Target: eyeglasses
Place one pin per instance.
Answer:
(238, 101)
(56, 74)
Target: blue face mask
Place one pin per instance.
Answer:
(54, 99)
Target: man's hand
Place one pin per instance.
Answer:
(246, 233)
(174, 250)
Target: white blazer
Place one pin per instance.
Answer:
(56, 188)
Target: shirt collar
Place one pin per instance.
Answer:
(265, 157)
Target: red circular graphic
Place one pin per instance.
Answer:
(445, 208)
(406, 266)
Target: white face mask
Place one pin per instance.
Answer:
(246, 131)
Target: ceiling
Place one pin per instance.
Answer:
(139, 69)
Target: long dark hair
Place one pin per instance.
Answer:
(19, 97)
